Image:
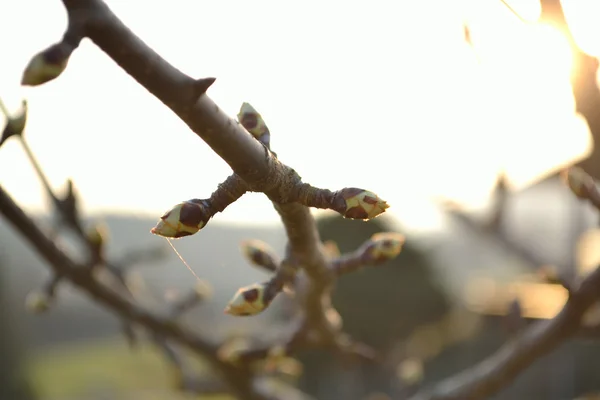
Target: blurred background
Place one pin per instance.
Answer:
(460, 114)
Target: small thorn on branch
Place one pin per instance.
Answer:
(202, 85)
(69, 205)
(15, 125)
(514, 321)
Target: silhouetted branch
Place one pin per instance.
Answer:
(501, 368)
(495, 372)
(308, 268)
(81, 276)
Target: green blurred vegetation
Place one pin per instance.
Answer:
(106, 369)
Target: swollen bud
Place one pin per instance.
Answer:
(252, 121)
(98, 234)
(331, 249)
(578, 181)
(249, 300)
(384, 246)
(46, 65)
(259, 253)
(184, 219)
(410, 371)
(361, 204)
(232, 348)
(277, 360)
(37, 302)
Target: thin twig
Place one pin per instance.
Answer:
(81, 277)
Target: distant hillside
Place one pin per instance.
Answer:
(213, 253)
(538, 218)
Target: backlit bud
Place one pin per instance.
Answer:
(277, 360)
(578, 181)
(252, 121)
(37, 302)
(410, 371)
(249, 300)
(361, 204)
(385, 246)
(98, 234)
(184, 219)
(46, 65)
(331, 249)
(232, 348)
(259, 253)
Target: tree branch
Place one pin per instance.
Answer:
(501, 368)
(63, 265)
(247, 157)
(497, 371)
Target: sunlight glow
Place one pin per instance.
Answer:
(537, 300)
(392, 100)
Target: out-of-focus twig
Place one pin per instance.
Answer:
(495, 372)
(501, 368)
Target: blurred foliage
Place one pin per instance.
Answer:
(380, 306)
(102, 370)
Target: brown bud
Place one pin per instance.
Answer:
(578, 181)
(361, 204)
(252, 121)
(259, 253)
(37, 302)
(98, 233)
(46, 65)
(184, 219)
(249, 300)
(230, 351)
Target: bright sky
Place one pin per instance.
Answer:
(383, 95)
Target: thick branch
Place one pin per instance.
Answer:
(246, 156)
(500, 369)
